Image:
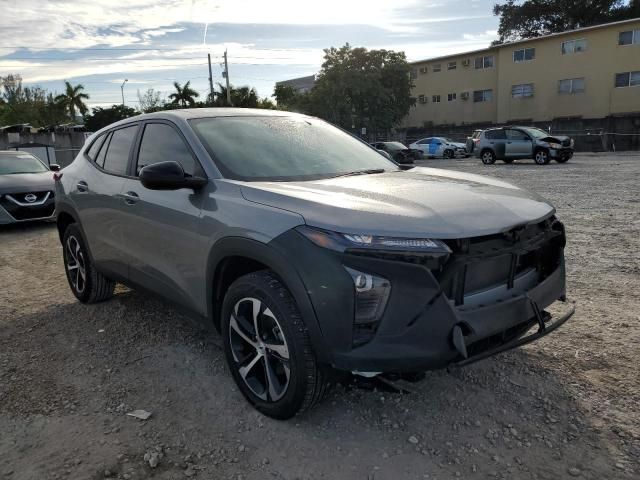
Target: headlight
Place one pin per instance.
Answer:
(573, 142)
(342, 242)
(555, 145)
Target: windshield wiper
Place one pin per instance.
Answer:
(369, 171)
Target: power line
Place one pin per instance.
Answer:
(149, 66)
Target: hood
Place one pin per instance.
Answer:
(421, 202)
(556, 139)
(26, 182)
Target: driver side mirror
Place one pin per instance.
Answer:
(169, 176)
(54, 167)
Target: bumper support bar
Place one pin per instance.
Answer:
(543, 329)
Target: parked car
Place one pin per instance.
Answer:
(472, 140)
(398, 151)
(26, 188)
(440, 147)
(309, 251)
(512, 143)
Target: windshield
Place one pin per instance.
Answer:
(536, 132)
(448, 140)
(284, 148)
(395, 146)
(21, 163)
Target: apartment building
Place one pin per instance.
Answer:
(588, 73)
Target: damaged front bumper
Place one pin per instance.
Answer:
(480, 301)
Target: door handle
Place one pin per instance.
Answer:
(130, 198)
(82, 186)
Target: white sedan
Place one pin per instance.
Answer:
(440, 147)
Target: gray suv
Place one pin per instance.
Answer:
(309, 251)
(512, 143)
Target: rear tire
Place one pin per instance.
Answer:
(488, 157)
(541, 156)
(268, 349)
(87, 284)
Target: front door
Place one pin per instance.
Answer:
(162, 226)
(518, 144)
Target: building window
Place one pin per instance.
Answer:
(414, 73)
(524, 55)
(629, 37)
(436, 68)
(435, 99)
(452, 65)
(482, 96)
(422, 99)
(574, 46)
(522, 90)
(627, 79)
(423, 70)
(484, 62)
(451, 97)
(571, 85)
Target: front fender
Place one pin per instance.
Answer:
(276, 261)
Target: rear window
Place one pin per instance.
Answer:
(93, 150)
(117, 157)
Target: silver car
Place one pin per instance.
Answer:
(307, 249)
(513, 143)
(26, 188)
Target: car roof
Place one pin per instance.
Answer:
(190, 113)
(15, 153)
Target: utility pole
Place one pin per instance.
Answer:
(210, 78)
(226, 76)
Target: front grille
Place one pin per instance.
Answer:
(25, 210)
(482, 263)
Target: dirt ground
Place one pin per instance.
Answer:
(566, 406)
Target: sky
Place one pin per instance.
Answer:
(153, 43)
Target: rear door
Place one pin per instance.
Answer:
(96, 197)
(168, 253)
(497, 140)
(518, 145)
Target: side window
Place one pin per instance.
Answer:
(426, 141)
(103, 151)
(516, 135)
(161, 143)
(118, 150)
(496, 135)
(92, 152)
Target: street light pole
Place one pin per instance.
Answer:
(122, 89)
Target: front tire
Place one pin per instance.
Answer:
(488, 157)
(449, 154)
(541, 156)
(268, 349)
(87, 284)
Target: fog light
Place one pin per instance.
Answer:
(371, 296)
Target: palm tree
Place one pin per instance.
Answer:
(73, 98)
(184, 95)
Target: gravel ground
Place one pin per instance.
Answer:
(565, 406)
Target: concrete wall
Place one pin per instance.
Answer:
(66, 145)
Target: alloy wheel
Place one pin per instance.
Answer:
(259, 349)
(487, 158)
(541, 157)
(75, 264)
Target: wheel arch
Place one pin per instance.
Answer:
(232, 257)
(64, 218)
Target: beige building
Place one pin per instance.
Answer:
(591, 72)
